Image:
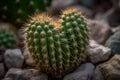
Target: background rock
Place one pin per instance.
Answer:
(13, 58)
(28, 74)
(99, 30)
(84, 72)
(98, 53)
(114, 43)
(110, 70)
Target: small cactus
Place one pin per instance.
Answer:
(7, 39)
(57, 46)
(17, 11)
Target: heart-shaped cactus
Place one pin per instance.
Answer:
(57, 46)
(17, 11)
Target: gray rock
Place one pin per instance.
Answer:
(84, 72)
(98, 75)
(28, 74)
(98, 53)
(2, 70)
(100, 30)
(13, 58)
(114, 43)
(110, 70)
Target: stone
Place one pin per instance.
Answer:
(84, 72)
(28, 58)
(27, 74)
(114, 43)
(62, 3)
(110, 69)
(98, 75)
(41, 77)
(98, 53)
(13, 58)
(2, 70)
(100, 30)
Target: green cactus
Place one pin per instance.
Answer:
(57, 46)
(7, 39)
(17, 11)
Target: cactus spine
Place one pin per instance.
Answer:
(57, 46)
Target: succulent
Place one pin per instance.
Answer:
(57, 46)
(7, 39)
(17, 11)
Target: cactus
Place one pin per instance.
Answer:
(7, 39)
(17, 11)
(57, 46)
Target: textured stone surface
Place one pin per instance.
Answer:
(110, 70)
(98, 53)
(99, 30)
(13, 58)
(27, 74)
(114, 43)
(98, 75)
(84, 72)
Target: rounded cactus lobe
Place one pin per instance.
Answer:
(17, 11)
(7, 39)
(75, 28)
(44, 43)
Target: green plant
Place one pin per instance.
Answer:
(7, 39)
(57, 46)
(17, 11)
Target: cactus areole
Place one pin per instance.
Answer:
(57, 46)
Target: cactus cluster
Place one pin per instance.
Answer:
(57, 46)
(17, 11)
(7, 39)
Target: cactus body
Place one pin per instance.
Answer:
(7, 39)
(17, 11)
(57, 47)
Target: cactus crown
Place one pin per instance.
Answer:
(7, 39)
(57, 46)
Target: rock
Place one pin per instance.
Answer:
(41, 77)
(28, 74)
(62, 3)
(84, 72)
(28, 58)
(98, 75)
(13, 58)
(2, 70)
(111, 69)
(114, 43)
(98, 53)
(99, 30)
